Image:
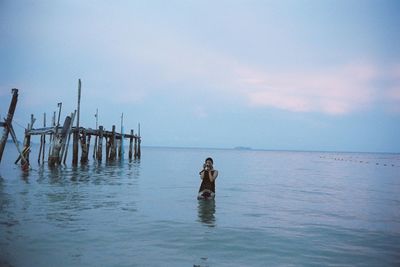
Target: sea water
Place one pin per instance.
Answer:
(272, 208)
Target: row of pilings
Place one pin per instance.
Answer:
(59, 137)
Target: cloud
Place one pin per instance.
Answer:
(129, 58)
(335, 91)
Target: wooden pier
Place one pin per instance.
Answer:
(59, 139)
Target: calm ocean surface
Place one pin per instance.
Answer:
(271, 209)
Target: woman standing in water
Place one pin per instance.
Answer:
(208, 176)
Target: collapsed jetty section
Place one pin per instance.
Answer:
(59, 138)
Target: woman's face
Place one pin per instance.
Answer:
(209, 164)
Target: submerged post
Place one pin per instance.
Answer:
(139, 150)
(84, 154)
(95, 140)
(121, 151)
(8, 121)
(139, 141)
(100, 144)
(88, 146)
(130, 145)
(52, 135)
(135, 148)
(113, 149)
(108, 138)
(42, 142)
(65, 152)
(59, 142)
(27, 144)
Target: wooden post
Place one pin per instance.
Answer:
(108, 138)
(121, 151)
(77, 131)
(59, 105)
(59, 141)
(27, 144)
(113, 152)
(52, 135)
(96, 137)
(130, 145)
(65, 153)
(139, 151)
(139, 141)
(88, 145)
(84, 154)
(44, 137)
(8, 121)
(135, 148)
(100, 144)
(25, 151)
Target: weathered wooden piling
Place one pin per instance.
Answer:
(100, 144)
(59, 142)
(27, 144)
(7, 123)
(139, 153)
(108, 145)
(96, 137)
(84, 148)
(113, 150)
(26, 150)
(135, 149)
(59, 105)
(77, 131)
(121, 141)
(88, 145)
(51, 141)
(42, 148)
(65, 153)
(130, 145)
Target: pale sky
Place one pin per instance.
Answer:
(293, 75)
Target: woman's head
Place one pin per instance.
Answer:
(209, 162)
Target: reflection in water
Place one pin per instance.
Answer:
(206, 211)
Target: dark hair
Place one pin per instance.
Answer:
(210, 159)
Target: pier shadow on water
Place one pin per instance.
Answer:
(206, 212)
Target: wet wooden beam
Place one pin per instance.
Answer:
(8, 121)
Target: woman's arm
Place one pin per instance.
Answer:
(201, 174)
(214, 176)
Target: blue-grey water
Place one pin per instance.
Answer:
(272, 208)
